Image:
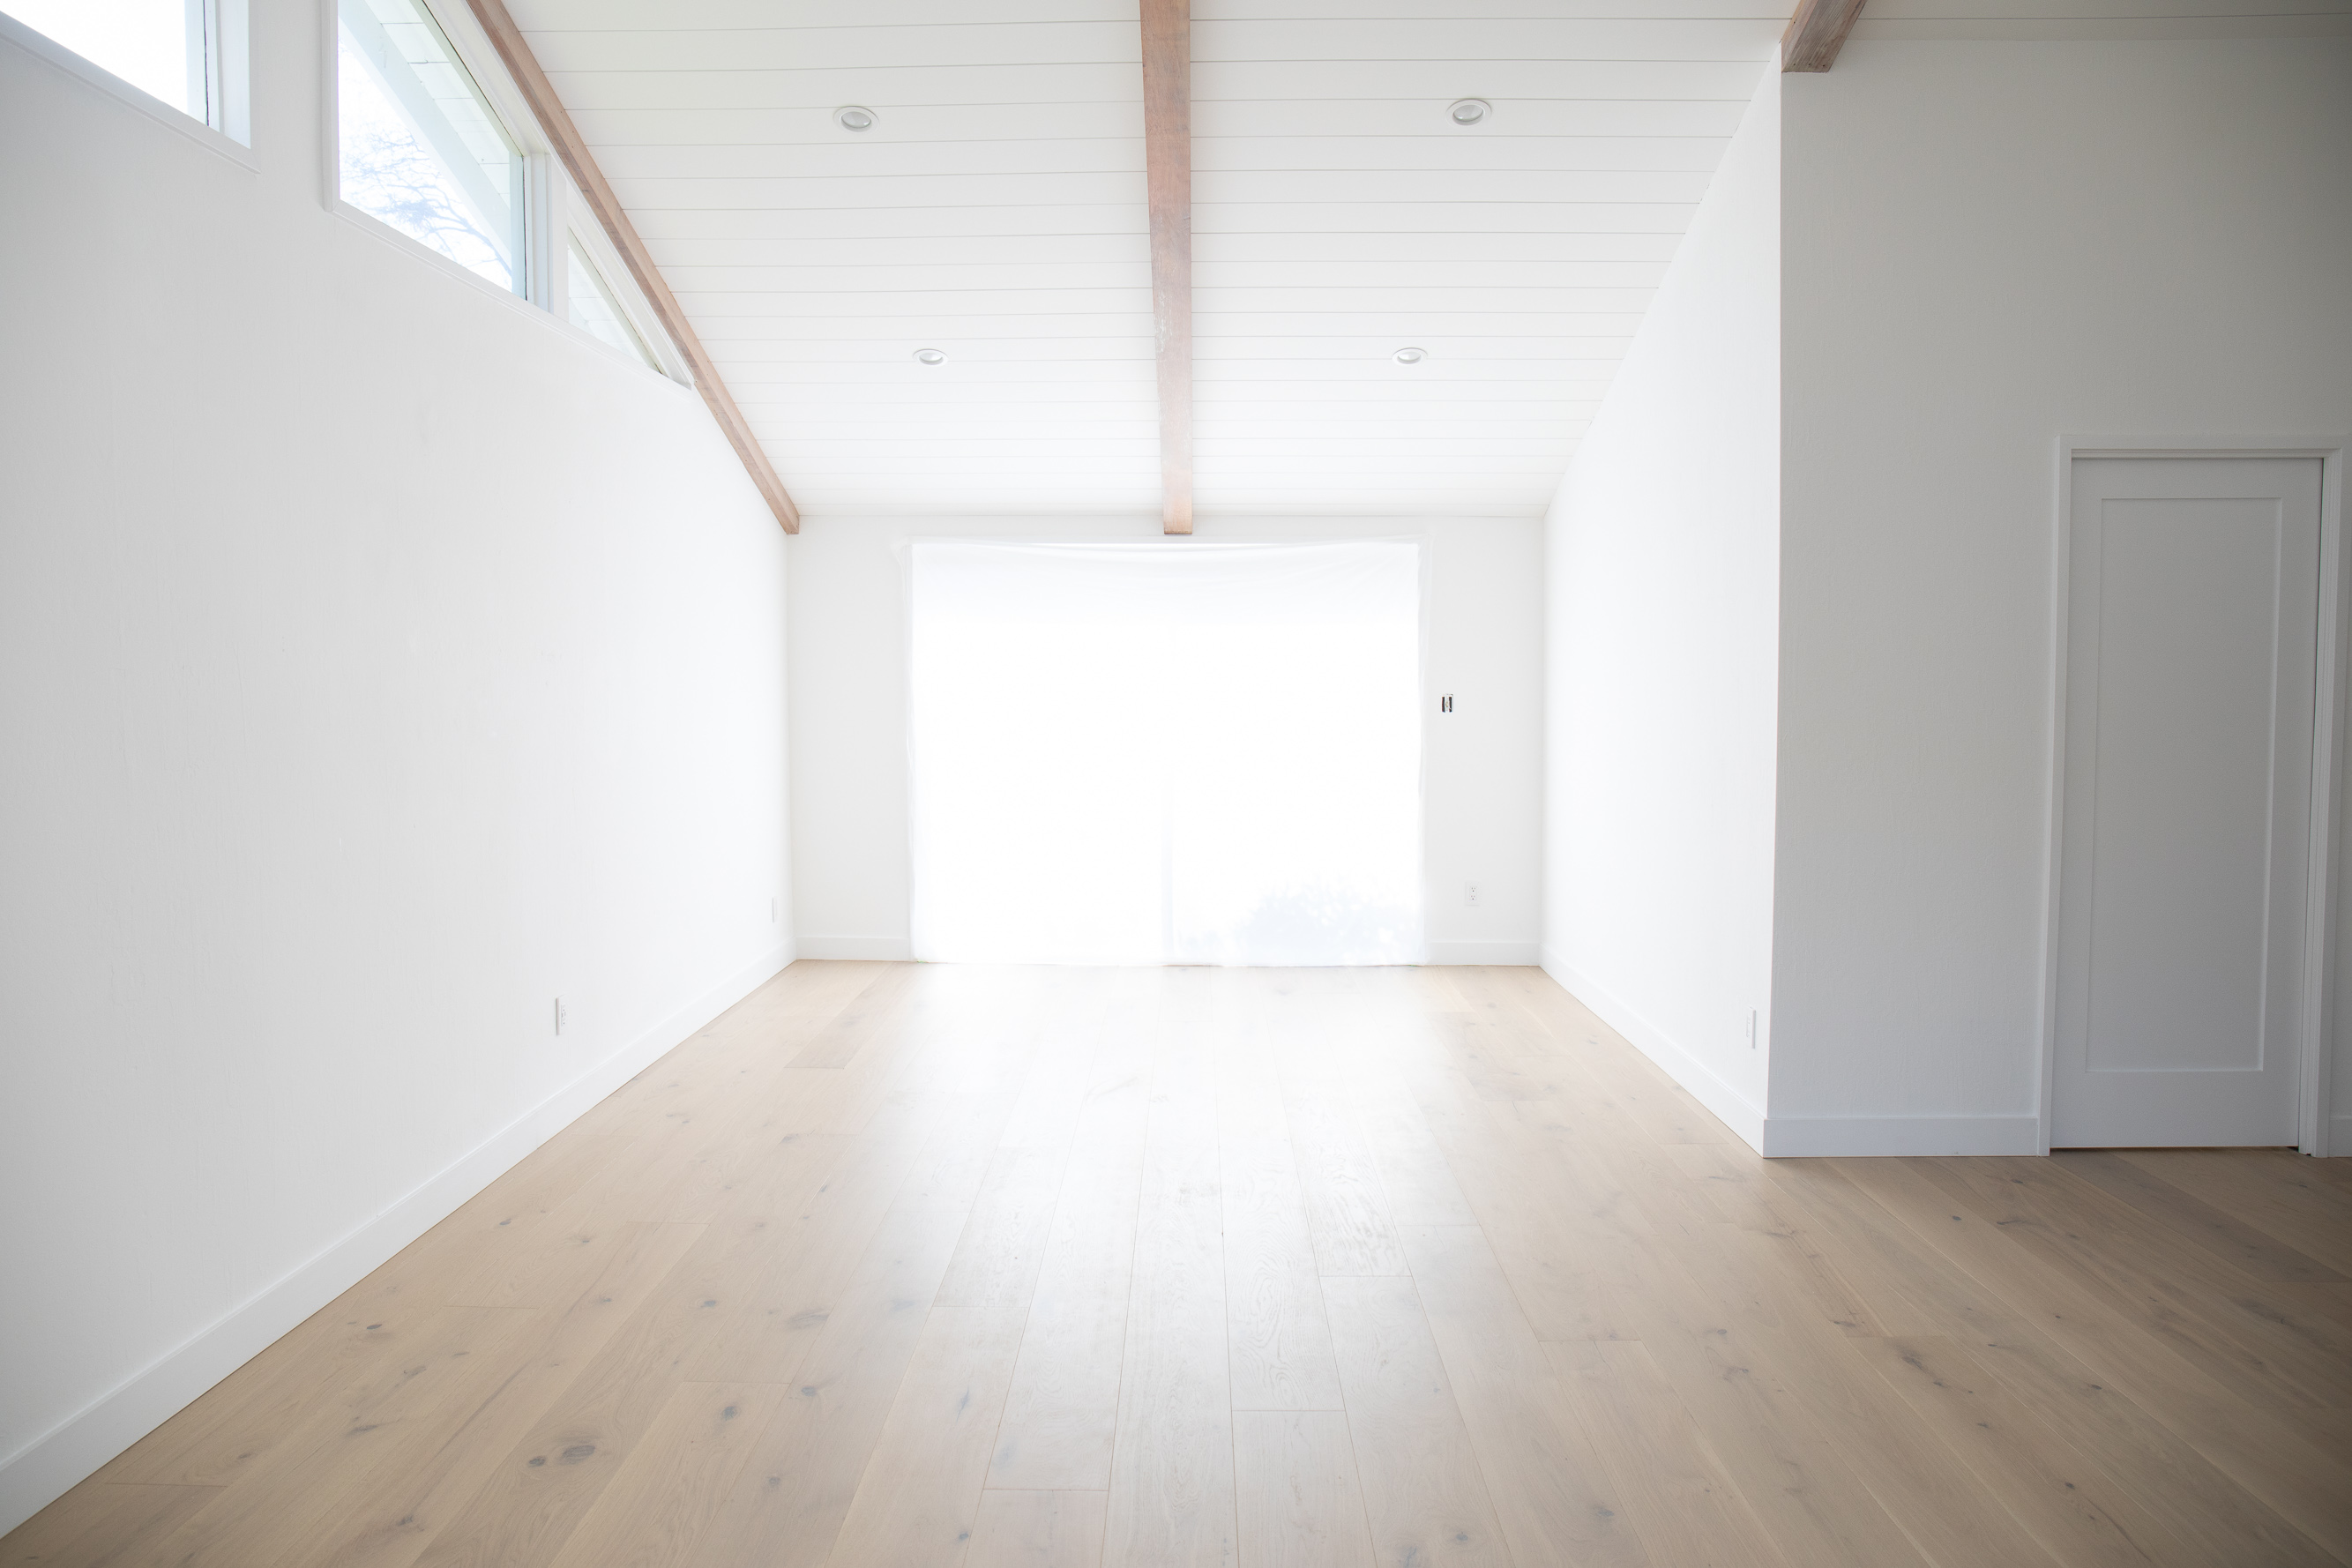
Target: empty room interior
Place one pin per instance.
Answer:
(1175, 784)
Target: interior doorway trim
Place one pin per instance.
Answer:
(2315, 1086)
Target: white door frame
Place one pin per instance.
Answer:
(2315, 1077)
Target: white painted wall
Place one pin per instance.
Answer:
(379, 660)
(849, 719)
(1662, 616)
(1988, 244)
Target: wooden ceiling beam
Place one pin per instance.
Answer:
(555, 124)
(1168, 165)
(1816, 33)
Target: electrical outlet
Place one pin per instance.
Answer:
(772, 912)
(1470, 894)
(562, 1015)
(1751, 1028)
(1446, 703)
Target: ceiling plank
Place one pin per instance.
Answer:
(556, 123)
(1167, 163)
(1816, 33)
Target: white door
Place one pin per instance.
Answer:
(2192, 636)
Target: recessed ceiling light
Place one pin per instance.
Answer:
(1410, 356)
(854, 118)
(929, 356)
(1470, 110)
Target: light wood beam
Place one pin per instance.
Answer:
(1816, 33)
(1167, 163)
(556, 123)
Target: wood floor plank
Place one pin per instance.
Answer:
(1276, 1329)
(919, 1495)
(1062, 1413)
(1298, 1501)
(1663, 1108)
(2280, 1193)
(217, 1438)
(873, 1010)
(1789, 1446)
(1543, 1232)
(536, 1496)
(2130, 1379)
(1171, 1474)
(740, 1038)
(99, 1522)
(1681, 1501)
(1414, 1267)
(2330, 1429)
(789, 1505)
(1553, 1498)
(1846, 1427)
(2192, 1497)
(789, 1256)
(561, 1255)
(390, 1520)
(729, 1108)
(242, 1419)
(386, 1421)
(1426, 1496)
(1279, 1343)
(700, 1176)
(2250, 1336)
(1420, 1184)
(1347, 1205)
(790, 1501)
(2069, 1505)
(1730, 1179)
(1003, 1245)
(2244, 1246)
(657, 1505)
(1038, 1529)
(1499, 1060)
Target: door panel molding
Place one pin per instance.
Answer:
(2317, 1043)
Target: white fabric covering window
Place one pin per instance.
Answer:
(1181, 753)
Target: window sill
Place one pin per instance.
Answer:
(375, 227)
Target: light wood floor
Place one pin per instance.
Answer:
(901, 1266)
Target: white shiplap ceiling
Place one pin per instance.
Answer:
(996, 212)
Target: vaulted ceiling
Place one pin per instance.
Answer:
(994, 211)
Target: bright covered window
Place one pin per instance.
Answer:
(421, 147)
(156, 45)
(1187, 753)
(593, 306)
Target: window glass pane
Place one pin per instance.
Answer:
(156, 45)
(593, 306)
(1076, 796)
(421, 148)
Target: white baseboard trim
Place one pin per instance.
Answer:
(1728, 1104)
(52, 1464)
(2339, 1136)
(1510, 952)
(1797, 1137)
(890, 949)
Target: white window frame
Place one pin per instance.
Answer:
(473, 49)
(580, 219)
(220, 65)
(552, 207)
